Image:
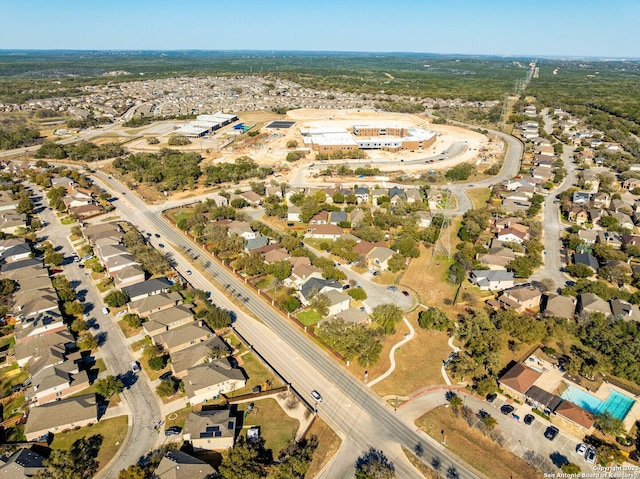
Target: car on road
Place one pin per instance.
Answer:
(188, 272)
(405, 293)
(157, 235)
(167, 375)
(160, 245)
(528, 419)
(551, 432)
(591, 456)
(316, 395)
(124, 192)
(148, 235)
(392, 288)
(135, 367)
(105, 310)
(173, 431)
(491, 397)
(581, 448)
(506, 409)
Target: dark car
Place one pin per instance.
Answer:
(346, 286)
(506, 409)
(406, 293)
(551, 433)
(160, 245)
(528, 419)
(491, 397)
(166, 375)
(172, 431)
(157, 235)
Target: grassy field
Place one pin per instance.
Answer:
(428, 349)
(328, 445)
(113, 432)
(479, 196)
(128, 330)
(258, 374)
(474, 448)
(309, 317)
(275, 426)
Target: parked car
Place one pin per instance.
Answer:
(135, 367)
(506, 409)
(122, 313)
(406, 293)
(105, 310)
(173, 431)
(582, 449)
(551, 433)
(591, 456)
(528, 419)
(87, 257)
(316, 395)
(167, 375)
(491, 397)
(392, 288)
(346, 286)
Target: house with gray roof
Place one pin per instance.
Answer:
(256, 243)
(338, 301)
(314, 286)
(492, 280)
(592, 303)
(24, 463)
(379, 257)
(129, 275)
(624, 311)
(336, 217)
(207, 381)
(211, 430)
(147, 288)
(586, 259)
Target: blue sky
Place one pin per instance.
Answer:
(492, 27)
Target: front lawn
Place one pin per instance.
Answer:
(257, 373)
(113, 432)
(275, 426)
(309, 317)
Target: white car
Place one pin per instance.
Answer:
(188, 272)
(581, 449)
(591, 456)
(316, 395)
(135, 367)
(122, 313)
(105, 310)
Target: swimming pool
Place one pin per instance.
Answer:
(617, 403)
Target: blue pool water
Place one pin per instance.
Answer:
(617, 404)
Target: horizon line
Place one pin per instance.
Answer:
(362, 52)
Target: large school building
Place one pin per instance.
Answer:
(205, 124)
(367, 137)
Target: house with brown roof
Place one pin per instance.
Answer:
(179, 465)
(195, 355)
(61, 416)
(517, 380)
(211, 430)
(162, 321)
(86, 211)
(521, 298)
(183, 336)
(578, 215)
(324, 231)
(559, 306)
(157, 302)
(512, 235)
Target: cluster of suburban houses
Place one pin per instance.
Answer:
(78, 201)
(29, 463)
(11, 222)
(168, 320)
(43, 345)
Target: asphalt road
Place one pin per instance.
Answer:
(141, 401)
(552, 227)
(349, 406)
